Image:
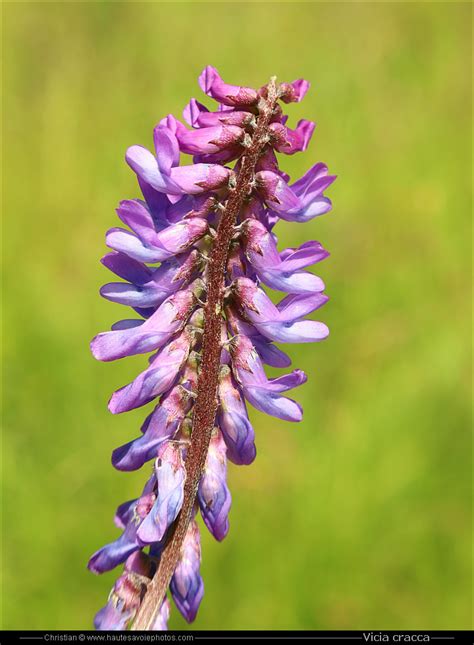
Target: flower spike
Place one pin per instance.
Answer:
(193, 259)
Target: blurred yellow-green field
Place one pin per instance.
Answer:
(359, 517)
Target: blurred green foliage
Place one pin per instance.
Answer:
(359, 516)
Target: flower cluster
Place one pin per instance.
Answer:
(162, 258)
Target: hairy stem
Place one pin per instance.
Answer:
(205, 407)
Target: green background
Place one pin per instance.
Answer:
(359, 516)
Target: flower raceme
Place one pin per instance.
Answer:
(194, 261)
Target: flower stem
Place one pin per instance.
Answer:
(205, 407)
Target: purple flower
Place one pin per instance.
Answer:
(187, 587)
(202, 177)
(155, 170)
(294, 92)
(290, 141)
(147, 287)
(198, 116)
(126, 594)
(234, 95)
(130, 516)
(281, 271)
(148, 335)
(193, 261)
(162, 173)
(261, 392)
(146, 244)
(283, 323)
(213, 495)
(270, 354)
(170, 477)
(309, 190)
(233, 420)
(159, 376)
(210, 139)
(160, 425)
